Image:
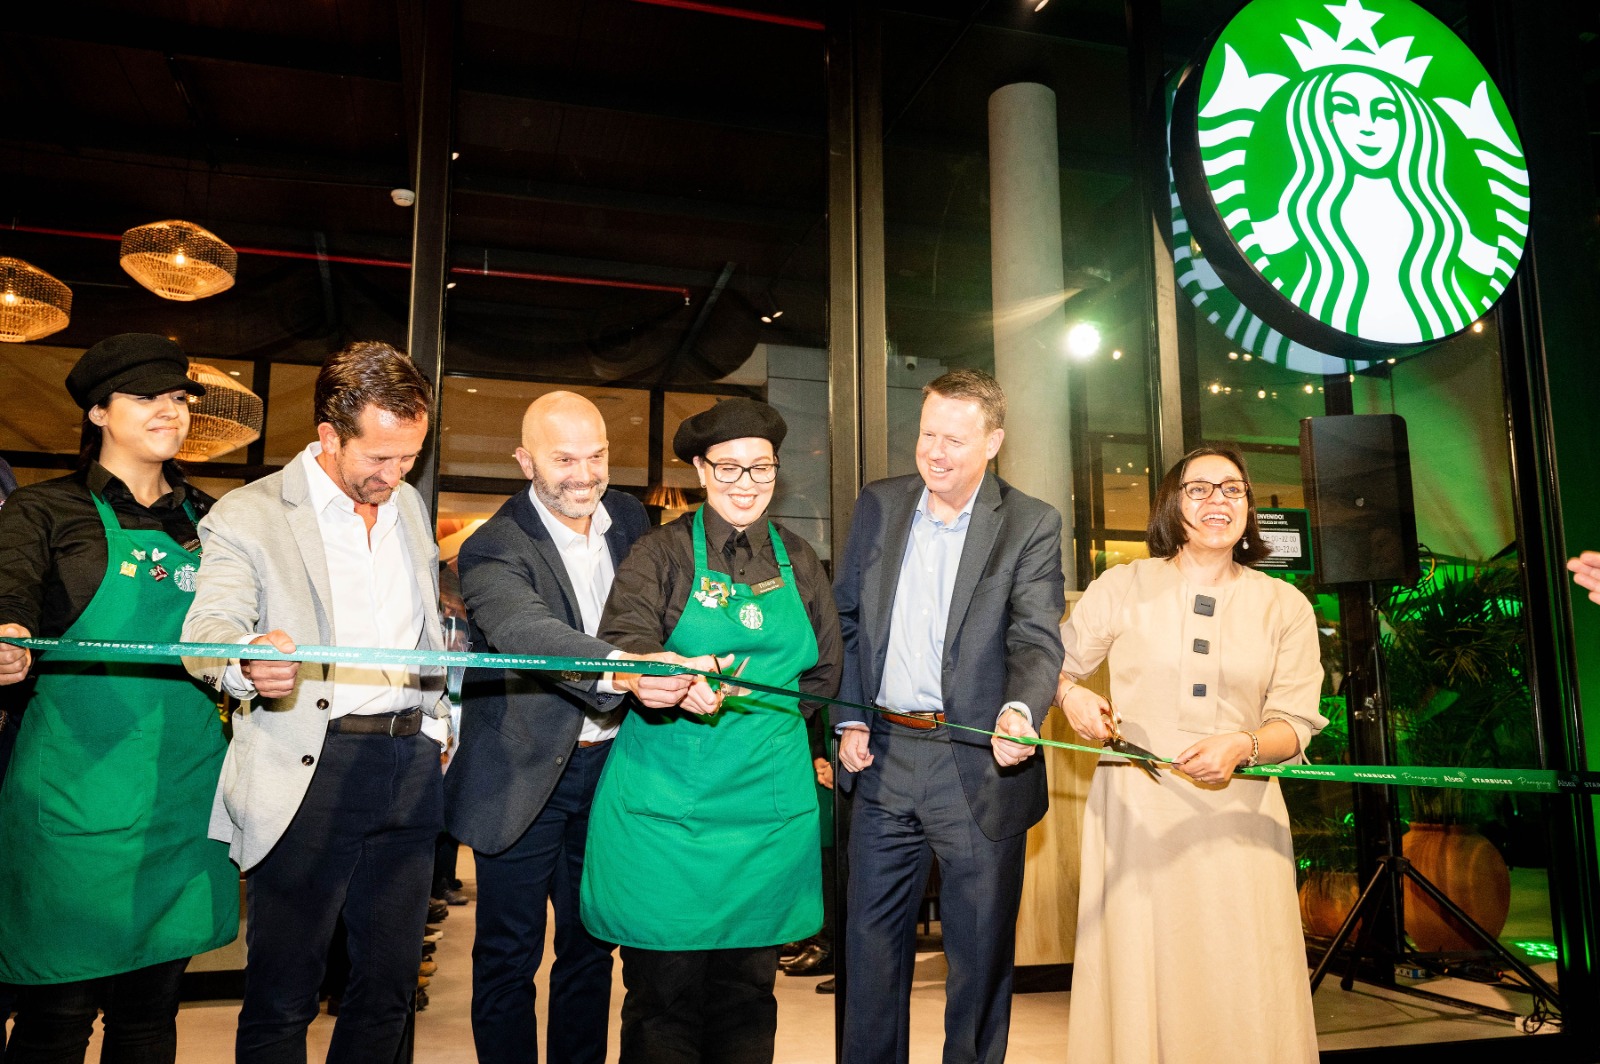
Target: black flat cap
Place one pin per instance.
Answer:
(731, 419)
(136, 363)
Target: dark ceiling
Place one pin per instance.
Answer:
(628, 141)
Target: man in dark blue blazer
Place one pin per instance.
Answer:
(534, 578)
(950, 594)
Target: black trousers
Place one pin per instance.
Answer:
(699, 1006)
(54, 1022)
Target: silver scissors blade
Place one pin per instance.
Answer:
(733, 690)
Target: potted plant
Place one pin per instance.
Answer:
(1325, 856)
(1454, 654)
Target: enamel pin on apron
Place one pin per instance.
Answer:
(713, 594)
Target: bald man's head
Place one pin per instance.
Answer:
(565, 453)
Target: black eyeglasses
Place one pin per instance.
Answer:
(1200, 490)
(730, 472)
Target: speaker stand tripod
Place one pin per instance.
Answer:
(1382, 891)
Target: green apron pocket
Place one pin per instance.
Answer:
(94, 784)
(794, 779)
(662, 776)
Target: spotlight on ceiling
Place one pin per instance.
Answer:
(1083, 339)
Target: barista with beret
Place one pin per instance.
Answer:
(702, 855)
(109, 789)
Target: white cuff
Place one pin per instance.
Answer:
(1020, 707)
(233, 680)
(839, 729)
(605, 685)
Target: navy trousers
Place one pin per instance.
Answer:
(360, 846)
(544, 865)
(910, 808)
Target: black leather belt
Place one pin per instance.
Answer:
(395, 725)
(922, 721)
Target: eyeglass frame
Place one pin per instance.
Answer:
(1213, 486)
(743, 469)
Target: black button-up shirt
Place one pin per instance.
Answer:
(654, 583)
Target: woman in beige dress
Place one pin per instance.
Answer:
(1189, 944)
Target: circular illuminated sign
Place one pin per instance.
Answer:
(1352, 173)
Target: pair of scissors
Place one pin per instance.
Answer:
(1138, 755)
(726, 689)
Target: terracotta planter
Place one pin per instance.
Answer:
(1469, 870)
(1326, 898)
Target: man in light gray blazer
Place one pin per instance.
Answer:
(330, 797)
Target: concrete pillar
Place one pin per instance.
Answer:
(1028, 282)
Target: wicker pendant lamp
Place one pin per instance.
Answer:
(178, 260)
(32, 303)
(224, 419)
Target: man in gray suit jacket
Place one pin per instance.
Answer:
(330, 796)
(535, 577)
(949, 594)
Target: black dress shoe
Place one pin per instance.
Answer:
(826, 986)
(455, 897)
(813, 960)
(437, 910)
(790, 950)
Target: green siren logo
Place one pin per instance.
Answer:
(1352, 172)
(1199, 281)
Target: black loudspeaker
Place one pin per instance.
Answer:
(1357, 474)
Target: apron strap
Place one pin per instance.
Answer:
(108, 517)
(699, 537)
(780, 553)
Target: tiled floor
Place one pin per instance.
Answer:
(1363, 1017)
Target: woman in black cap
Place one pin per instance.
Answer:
(702, 854)
(110, 884)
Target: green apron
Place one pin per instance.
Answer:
(104, 811)
(703, 832)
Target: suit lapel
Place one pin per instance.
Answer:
(896, 531)
(423, 550)
(302, 518)
(616, 539)
(982, 528)
(546, 549)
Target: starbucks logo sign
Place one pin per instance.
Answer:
(1352, 174)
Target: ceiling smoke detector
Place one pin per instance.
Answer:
(403, 197)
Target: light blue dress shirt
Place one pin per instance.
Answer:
(913, 669)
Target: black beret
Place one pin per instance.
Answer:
(731, 419)
(136, 363)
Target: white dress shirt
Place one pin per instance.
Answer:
(590, 569)
(376, 602)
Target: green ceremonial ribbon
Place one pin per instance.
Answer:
(1505, 780)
